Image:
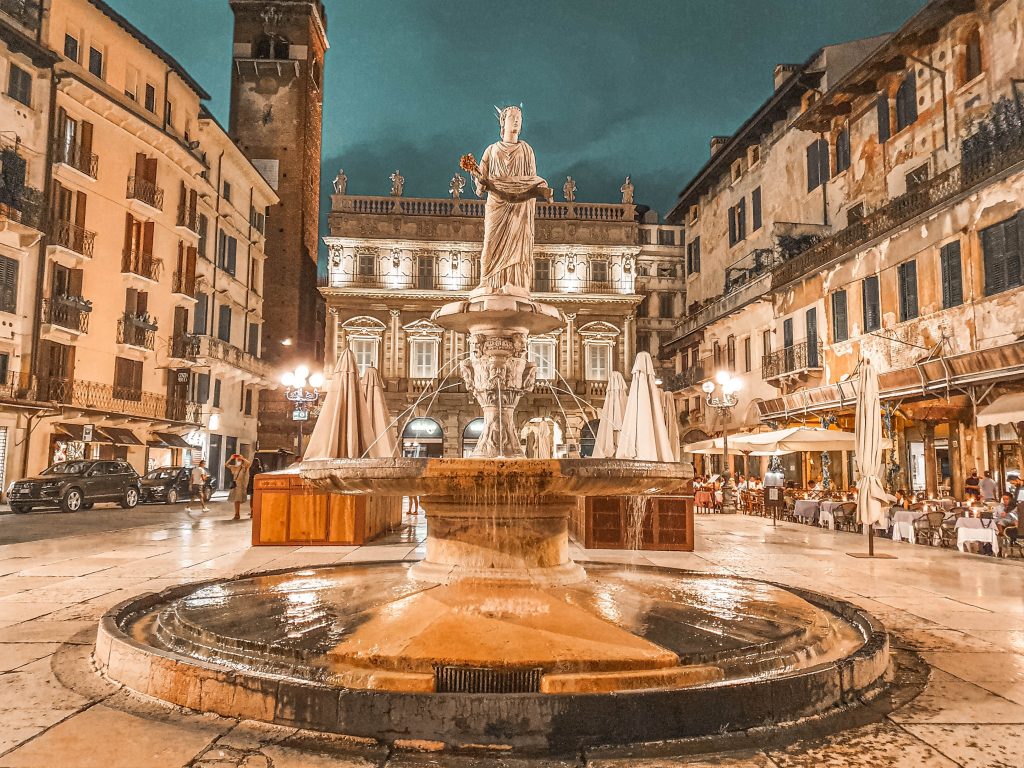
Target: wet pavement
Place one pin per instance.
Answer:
(962, 613)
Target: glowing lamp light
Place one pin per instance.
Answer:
(722, 377)
(288, 378)
(708, 387)
(302, 372)
(316, 380)
(215, 421)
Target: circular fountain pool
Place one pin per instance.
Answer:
(630, 654)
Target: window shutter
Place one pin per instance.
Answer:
(812, 337)
(147, 238)
(741, 219)
(86, 143)
(869, 292)
(232, 254)
(908, 290)
(952, 275)
(199, 320)
(8, 284)
(732, 226)
(840, 321)
(993, 246)
(755, 209)
(787, 333)
(824, 164)
(884, 125)
(813, 178)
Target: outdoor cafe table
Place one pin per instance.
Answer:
(825, 510)
(806, 509)
(703, 500)
(977, 529)
(903, 524)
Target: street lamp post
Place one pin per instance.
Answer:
(303, 390)
(720, 394)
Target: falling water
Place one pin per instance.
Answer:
(637, 508)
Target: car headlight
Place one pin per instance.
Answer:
(51, 485)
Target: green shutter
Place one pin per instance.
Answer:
(869, 294)
(952, 275)
(840, 323)
(908, 290)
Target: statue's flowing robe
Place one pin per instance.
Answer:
(507, 259)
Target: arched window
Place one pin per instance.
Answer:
(271, 47)
(470, 436)
(906, 101)
(422, 438)
(972, 55)
(588, 437)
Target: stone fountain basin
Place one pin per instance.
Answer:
(520, 480)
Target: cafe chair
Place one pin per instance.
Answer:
(928, 528)
(845, 517)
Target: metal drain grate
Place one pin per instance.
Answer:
(486, 680)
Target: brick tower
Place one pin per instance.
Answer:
(276, 120)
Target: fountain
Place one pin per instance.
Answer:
(497, 637)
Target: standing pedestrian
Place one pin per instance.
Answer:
(238, 468)
(987, 486)
(972, 486)
(197, 485)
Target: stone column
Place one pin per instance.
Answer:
(333, 320)
(392, 367)
(930, 469)
(570, 346)
(957, 469)
(628, 345)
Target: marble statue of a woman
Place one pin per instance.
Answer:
(508, 174)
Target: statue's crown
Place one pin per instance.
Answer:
(502, 112)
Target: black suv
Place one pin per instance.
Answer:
(171, 485)
(75, 485)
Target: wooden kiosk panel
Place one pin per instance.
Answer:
(286, 510)
(602, 522)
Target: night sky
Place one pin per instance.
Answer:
(608, 87)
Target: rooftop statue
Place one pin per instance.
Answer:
(627, 192)
(340, 182)
(569, 189)
(397, 184)
(508, 174)
(455, 187)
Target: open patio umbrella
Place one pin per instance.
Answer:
(382, 439)
(794, 439)
(1007, 409)
(672, 423)
(343, 430)
(868, 460)
(612, 413)
(644, 435)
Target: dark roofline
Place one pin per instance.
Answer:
(744, 130)
(135, 32)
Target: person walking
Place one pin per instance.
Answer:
(197, 485)
(238, 490)
(972, 486)
(988, 487)
(255, 468)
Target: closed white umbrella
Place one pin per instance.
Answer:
(871, 496)
(382, 439)
(644, 436)
(343, 428)
(672, 423)
(612, 413)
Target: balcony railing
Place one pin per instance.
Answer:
(804, 356)
(217, 349)
(136, 332)
(184, 283)
(188, 218)
(997, 144)
(184, 347)
(384, 206)
(114, 399)
(135, 261)
(25, 12)
(145, 191)
(338, 279)
(73, 237)
(72, 155)
(67, 312)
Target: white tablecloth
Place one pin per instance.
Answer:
(903, 524)
(975, 529)
(806, 509)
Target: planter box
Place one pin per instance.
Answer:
(602, 522)
(286, 510)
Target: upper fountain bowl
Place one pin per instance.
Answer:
(506, 311)
(517, 477)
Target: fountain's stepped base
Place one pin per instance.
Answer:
(629, 655)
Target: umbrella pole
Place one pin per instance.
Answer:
(871, 540)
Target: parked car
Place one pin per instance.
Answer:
(169, 485)
(75, 485)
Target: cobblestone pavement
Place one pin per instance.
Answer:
(962, 614)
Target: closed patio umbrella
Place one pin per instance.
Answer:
(612, 413)
(382, 439)
(871, 496)
(343, 429)
(672, 423)
(644, 436)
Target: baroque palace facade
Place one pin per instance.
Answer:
(901, 204)
(134, 297)
(394, 260)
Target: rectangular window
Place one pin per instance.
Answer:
(8, 285)
(542, 353)
(916, 177)
(716, 354)
(818, 165)
(906, 101)
(247, 407)
(871, 304)
(204, 226)
(216, 393)
(19, 85)
(96, 62)
(952, 275)
(150, 101)
(253, 340)
(840, 323)
(693, 256)
(884, 118)
(811, 326)
(599, 272)
(425, 272)
(1001, 252)
(766, 343)
(71, 48)
(666, 237)
(843, 149)
(907, 272)
(542, 275)
(366, 264)
(424, 359)
(365, 352)
(730, 353)
(738, 222)
(202, 388)
(748, 355)
(127, 379)
(227, 191)
(598, 360)
(227, 253)
(224, 323)
(199, 319)
(755, 209)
